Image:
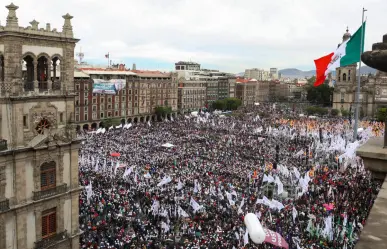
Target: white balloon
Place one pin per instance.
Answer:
(255, 229)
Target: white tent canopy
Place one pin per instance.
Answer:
(168, 145)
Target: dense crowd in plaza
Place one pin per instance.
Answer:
(189, 182)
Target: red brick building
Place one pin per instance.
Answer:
(136, 102)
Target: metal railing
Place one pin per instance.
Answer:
(47, 242)
(4, 205)
(38, 195)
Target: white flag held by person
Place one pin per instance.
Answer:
(246, 238)
(165, 180)
(182, 213)
(195, 205)
(127, 172)
(295, 213)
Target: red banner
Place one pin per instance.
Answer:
(275, 239)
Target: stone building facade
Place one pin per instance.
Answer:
(373, 89)
(143, 92)
(246, 90)
(39, 188)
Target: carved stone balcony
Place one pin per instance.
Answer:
(39, 195)
(3, 144)
(4, 205)
(56, 85)
(45, 243)
(29, 86)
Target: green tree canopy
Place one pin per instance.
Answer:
(227, 104)
(320, 95)
(163, 110)
(381, 115)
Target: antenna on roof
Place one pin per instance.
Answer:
(80, 55)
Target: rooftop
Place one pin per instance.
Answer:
(186, 63)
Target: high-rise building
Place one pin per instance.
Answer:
(39, 188)
(193, 81)
(256, 73)
(273, 73)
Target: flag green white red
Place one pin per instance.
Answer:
(346, 54)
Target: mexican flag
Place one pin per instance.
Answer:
(346, 54)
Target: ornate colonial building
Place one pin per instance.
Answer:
(39, 189)
(345, 89)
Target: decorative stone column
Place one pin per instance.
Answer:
(35, 78)
(67, 27)
(34, 25)
(2, 89)
(12, 21)
(49, 82)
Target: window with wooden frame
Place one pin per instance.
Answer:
(48, 176)
(48, 223)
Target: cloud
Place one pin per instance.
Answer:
(233, 35)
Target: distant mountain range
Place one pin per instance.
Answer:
(296, 73)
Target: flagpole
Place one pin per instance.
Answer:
(358, 81)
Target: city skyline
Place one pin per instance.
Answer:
(226, 35)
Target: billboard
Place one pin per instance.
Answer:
(108, 86)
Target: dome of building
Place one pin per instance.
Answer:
(346, 35)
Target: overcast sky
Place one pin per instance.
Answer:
(229, 35)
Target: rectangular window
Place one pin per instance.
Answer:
(86, 102)
(48, 176)
(77, 118)
(48, 223)
(102, 99)
(117, 99)
(25, 123)
(85, 116)
(94, 108)
(94, 115)
(85, 108)
(86, 94)
(61, 117)
(129, 92)
(77, 87)
(109, 114)
(116, 113)
(123, 99)
(94, 101)
(101, 114)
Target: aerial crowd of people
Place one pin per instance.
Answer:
(188, 182)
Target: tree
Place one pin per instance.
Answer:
(381, 114)
(108, 122)
(316, 110)
(219, 105)
(161, 111)
(318, 95)
(232, 103)
(334, 112)
(345, 113)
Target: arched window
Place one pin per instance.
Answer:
(1, 67)
(48, 175)
(344, 77)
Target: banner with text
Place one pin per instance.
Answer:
(108, 86)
